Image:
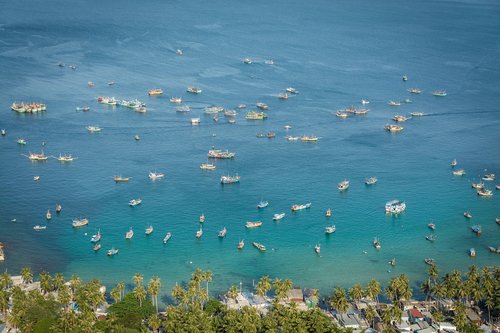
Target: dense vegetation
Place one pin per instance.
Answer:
(70, 306)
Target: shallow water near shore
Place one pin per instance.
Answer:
(335, 54)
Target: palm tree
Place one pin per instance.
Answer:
(138, 278)
(387, 315)
(154, 322)
(154, 286)
(397, 313)
(26, 275)
(74, 282)
(356, 292)
(232, 293)
(58, 281)
(207, 277)
(488, 287)
(373, 290)
(5, 280)
(4, 302)
(263, 286)
(64, 296)
(460, 317)
(121, 287)
(338, 300)
(139, 293)
(370, 314)
(45, 282)
(116, 294)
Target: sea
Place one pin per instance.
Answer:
(335, 53)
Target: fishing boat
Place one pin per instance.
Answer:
(490, 248)
(155, 92)
(278, 216)
(254, 115)
(229, 179)
(497, 187)
(28, 107)
(77, 223)
(262, 204)
(297, 207)
(292, 90)
(208, 166)
(431, 226)
(97, 237)
(430, 261)
(253, 224)
(317, 248)
(371, 181)
(472, 252)
(478, 186)
(269, 62)
(58, 208)
(330, 229)
(141, 110)
(195, 121)
(497, 220)
(155, 175)
(90, 84)
(137, 137)
(202, 218)
(292, 138)
(83, 109)
(241, 244)
(467, 215)
(2, 253)
(476, 229)
(393, 128)
(394, 103)
(93, 129)
(135, 202)
(439, 93)
(179, 52)
(149, 230)
(417, 114)
(283, 96)
(241, 106)
(193, 90)
(96, 247)
(328, 212)
(405, 78)
(213, 109)
(259, 246)
(247, 61)
(376, 244)
(37, 156)
(36, 178)
(395, 207)
(459, 172)
(129, 234)
(341, 114)
(309, 138)
(407, 100)
(489, 177)
(111, 101)
(392, 262)
(39, 227)
(112, 252)
(414, 91)
(3, 132)
(430, 238)
(364, 101)
(287, 127)
(399, 118)
(48, 215)
(230, 113)
(454, 163)
(132, 104)
(220, 154)
(199, 233)
(484, 192)
(65, 158)
(167, 237)
(222, 233)
(343, 185)
(120, 179)
(183, 108)
(21, 141)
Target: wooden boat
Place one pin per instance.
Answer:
(301, 207)
(58, 208)
(392, 262)
(376, 244)
(134, 202)
(77, 223)
(112, 252)
(476, 229)
(472, 252)
(155, 92)
(202, 218)
(430, 261)
(278, 216)
(129, 234)
(241, 244)
(430, 238)
(199, 233)
(48, 215)
(120, 179)
(36, 178)
(39, 227)
(149, 230)
(431, 226)
(222, 233)
(97, 247)
(167, 237)
(467, 215)
(330, 229)
(317, 248)
(259, 246)
(251, 224)
(328, 212)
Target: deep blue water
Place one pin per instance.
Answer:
(334, 53)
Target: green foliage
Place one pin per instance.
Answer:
(130, 313)
(214, 307)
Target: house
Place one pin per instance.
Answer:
(473, 317)
(415, 315)
(295, 295)
(442, 326)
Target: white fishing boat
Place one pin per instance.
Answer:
(399, 118)
(179, 52)
(229, 179)
(37, 156)
(112, 252)
(213, 109)
(343, 185)
(309, 138)
(247, 61)
(48, 216)
(220, 154)
(287, 127)
(156, 175)
(155, 92)
(39, 227)
(262, 204)
(459, 172)
(36, 178)
(341, 114)
(241, 244)
(129, 234)
(202, 218)
(230, 113)
(430, 261)
(259, 246)
(292, 138)
(176, 100)
(21, 142)
(376, 244)
(431, 226)
(58, 208)
(65, 158)
(478, 186)
(195, 121)
(317, 248)
(83, 109)
(414, 91)
(262, 106)
(278, 216)
(253, 224)
(97, 247)
(394, 103)
(182, 108)
(365, 101)
(77, 223)
(93, 129)
(3, 132)
(484, 192)
(454, 162)
(135, 202)
(149, 230)
(417, 114)
(395, 207)
(269, 62)
(330, 229)
(300, 207)
(467, 215)
(393, 128)
(199, 233)
(194, 90)
(208, 166)
(222, 233)
(97, 237)
(472, 252)
(430, 238)
(167, 237)
(328, 212)
(137, 137)
(292, 90)
(371, 181)
(440, 93)
(283, 96)
(489, 177)
(120, 179)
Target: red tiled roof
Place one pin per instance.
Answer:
(416, 314)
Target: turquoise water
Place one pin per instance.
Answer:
(333, 53)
